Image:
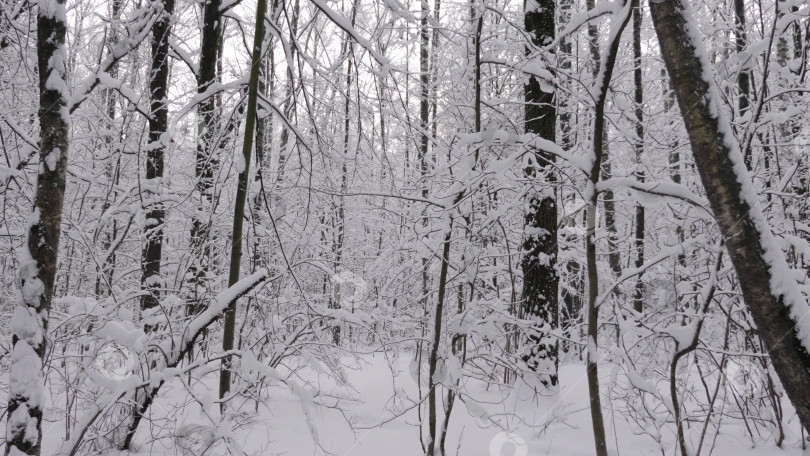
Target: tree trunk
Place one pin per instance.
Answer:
(614, 257)
(540, 278)
(768, 290)
(572, 300)
(38, 260)
(207, 132)
(151, 280)
(433, 385)
(105, 277)
(592, 199)
(264, 146)
(743, 82)
(638, 296)
(241, 196)
(424, 122)
(152, 252)
(340, 224)
(422, 153)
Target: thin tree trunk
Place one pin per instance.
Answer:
(264, 146)
(540, 278)
(592, 196)
(572, 301)
(743, 82)
(38, 261)
(241, 196)
(614, 258)
(638, 297)
(422, 152)
(433, 385)
(340, 225)
(424, 122)
(767, 288)
(289, 110)
(105, 278)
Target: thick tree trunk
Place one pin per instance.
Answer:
(207, 132)
(38, 261)
(767, 287)
(152, 253)
(540, 278)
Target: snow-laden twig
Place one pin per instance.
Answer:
(173, 350)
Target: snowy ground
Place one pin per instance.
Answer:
(555, 425)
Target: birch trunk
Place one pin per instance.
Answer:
(761, 268)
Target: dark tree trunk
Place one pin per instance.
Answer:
(38, 264)
(747, 234)
(433, 385)
(229, 330)
(572, 294)
(638, 296)
(340, 223)
(105, 278)
(592, 199)
(540, 278)
(614, 257)
(743, 82)
(152, 253)
(206, 159)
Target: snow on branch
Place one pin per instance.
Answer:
(660, 189)
(138, 32)
(344, 24)
(174, 350)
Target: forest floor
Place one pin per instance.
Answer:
(364, 424)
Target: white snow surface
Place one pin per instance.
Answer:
(379, 405)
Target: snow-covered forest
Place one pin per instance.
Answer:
(401, 227)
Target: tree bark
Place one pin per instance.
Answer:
(340, 223)
(38, 261)
(592, 199)
(433, 385)
(638, 296)
(757, 259)
(152, 252)
(113, 165)
(614, 257)
(539, 264)
(207, 131)
(241, 196)
(743, 82)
